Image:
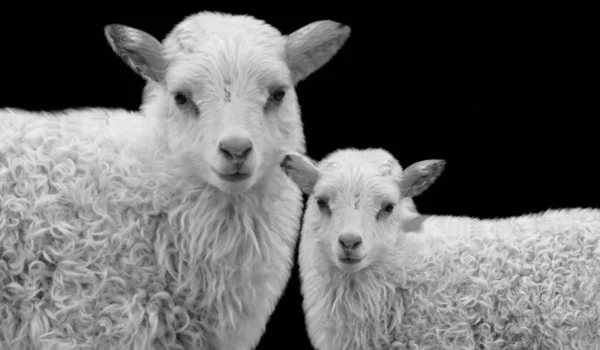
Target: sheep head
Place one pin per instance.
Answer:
(222, 88)
(357, 201)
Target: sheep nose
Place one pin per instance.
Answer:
(236, 148)
(349, 241)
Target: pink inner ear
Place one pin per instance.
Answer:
(410, 180)
(312, 46)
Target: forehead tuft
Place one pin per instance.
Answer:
(357, 170)
(194, 30)
(222, 34)
(376, 160)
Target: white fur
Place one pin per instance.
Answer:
(115, 227)
(439, 282)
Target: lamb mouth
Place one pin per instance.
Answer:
(351, 261)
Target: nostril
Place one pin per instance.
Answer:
(225, 151)
(247, 151)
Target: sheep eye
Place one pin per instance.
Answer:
(322, 203)
(277, 95)
(389, 208)
(180, 99)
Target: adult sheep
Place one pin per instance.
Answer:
(376, 274)
(168, 228)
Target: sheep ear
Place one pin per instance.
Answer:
(140, 50)
(420, 176)
(301, 170)
(313, 45)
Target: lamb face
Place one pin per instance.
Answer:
(358, 199)
(222, 89)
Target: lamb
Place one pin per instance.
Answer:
(377, 274)
(171, 227)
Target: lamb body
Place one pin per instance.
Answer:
(171, 227)
(437, 282)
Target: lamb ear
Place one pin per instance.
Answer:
(420, 176)
(140, 50)
(301, 170)
(313, 45)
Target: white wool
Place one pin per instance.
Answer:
(118, 229)
(439, 282)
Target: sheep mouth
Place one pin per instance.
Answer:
(350, 261)
(233, 177)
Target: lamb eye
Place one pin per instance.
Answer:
(385, 211)
(277, 95)
(180, 99)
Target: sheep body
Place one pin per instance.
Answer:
(115, 230)
(443, 282)
(98, 249)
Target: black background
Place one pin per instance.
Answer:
(506, 95)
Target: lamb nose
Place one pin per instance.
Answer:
(350, 241)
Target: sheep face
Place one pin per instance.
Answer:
(357, 200)
(223, 89)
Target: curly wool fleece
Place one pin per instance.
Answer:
(437, 282)
(528, 282)
(107, 246)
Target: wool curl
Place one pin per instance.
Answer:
(107, 246)
(447, 282)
